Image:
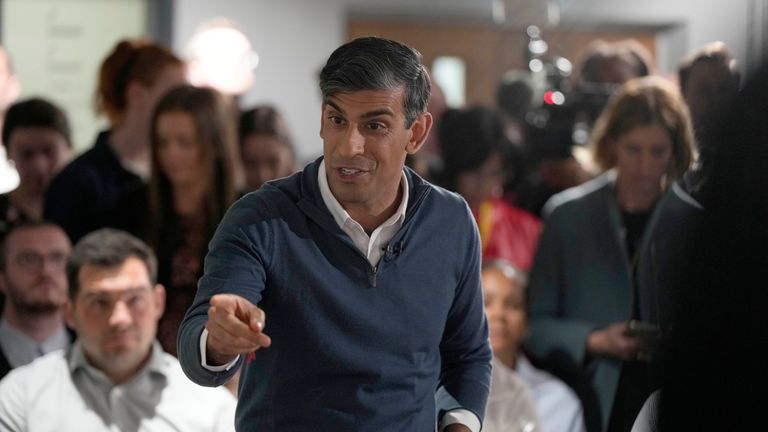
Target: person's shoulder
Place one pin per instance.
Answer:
(84, 165)
(215, 398)
(574, 199)
(679, 199)
(39, 372)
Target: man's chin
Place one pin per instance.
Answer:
(42, 307)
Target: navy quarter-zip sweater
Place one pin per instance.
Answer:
(354, 347)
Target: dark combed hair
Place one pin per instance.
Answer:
(372, 63)
(108, 248)
(37, 113)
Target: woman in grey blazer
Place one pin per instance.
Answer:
(582, 295)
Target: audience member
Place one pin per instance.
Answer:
(266, 149)
(557, 406)
(192, 185)
(581, 285)
(514, 97)
(341, 258)
(115, 376)
(478, 161)
(84, 195)
(429, 158)
(708, 81)
(37, 139)
(32, 277)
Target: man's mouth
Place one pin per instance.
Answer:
(349, 171)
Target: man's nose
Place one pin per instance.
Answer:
(121, 315)
(353, 144)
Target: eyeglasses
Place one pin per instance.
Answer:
(33, 261)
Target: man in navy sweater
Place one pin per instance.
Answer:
(349, 293)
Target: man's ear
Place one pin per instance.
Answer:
(69, 313)
(322, 118)
(419, 132)
(159, 293)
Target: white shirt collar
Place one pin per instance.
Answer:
(341, 216)
(20, 349)
(372, 246)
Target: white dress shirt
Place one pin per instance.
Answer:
(511, 405)
(62, 392)
(558, 406)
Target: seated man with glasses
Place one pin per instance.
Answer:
(32, 278)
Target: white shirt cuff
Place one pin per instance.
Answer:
(203, 341)
(461, 416)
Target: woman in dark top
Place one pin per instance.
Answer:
(192, 185)
(86, 194)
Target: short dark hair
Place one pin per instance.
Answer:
(373, 63)
(713, 52)
(38, 113)
(26, 225)
(468, 138)
(107, 247)
(594, 56)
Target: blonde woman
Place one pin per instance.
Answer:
(581, 285)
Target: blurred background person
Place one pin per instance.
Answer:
(266, 149)
(581, 285)
(428, 159)
(85, 194)
(556, 405)
(514, 98)
(36, 134)
(33, 257)
(708, 80)
(478, 161)
(194, 168)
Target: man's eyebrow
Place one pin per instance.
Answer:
(378, 112)
(115, 293)
(333, 105)
(373, 113)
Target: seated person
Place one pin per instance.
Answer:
(32, 277)
(116, 376)
(556, 404)
(478, 162)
